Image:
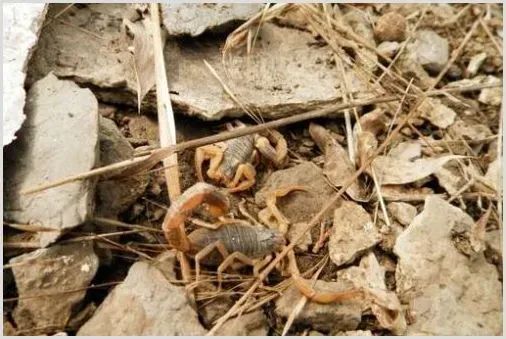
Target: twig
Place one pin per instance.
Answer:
(135, 165)
(491, 37)
(167, 126)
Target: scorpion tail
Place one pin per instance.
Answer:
(182, 207)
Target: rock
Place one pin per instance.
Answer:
(22, 27)
(353, 233)
(475, 64)
(298, 206)
(144, 127)
(212, 310)
(8, 328)
(491, 96)
(389, 48)
(116, 196)
(383, 303)
(413, 69)
(402, 212)
(430, 50)
(293, 232)
(438, 114)
(493, 243)
(52, 271)
(290, 81)
(146, 303)
(390, 27)
(449, 293)
(62, 122)
(408, 150)
(470, 130)
(340, 316)
(250, 324)
(196, 18)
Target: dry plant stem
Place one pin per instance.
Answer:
(57, 15)
(338, 195)
(166, 123)
(490, 36)
(147, 162)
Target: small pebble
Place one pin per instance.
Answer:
(390, 27)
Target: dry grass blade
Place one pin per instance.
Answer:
(317, 218)
(31, 228)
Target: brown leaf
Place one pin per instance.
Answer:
(477, 237)
(338, 167)
(139, 30)
(392, 171)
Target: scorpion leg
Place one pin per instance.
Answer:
(212, 152)
(205, 252)
(243, 170)
(272, 211)
(278, 154)
(230, 260)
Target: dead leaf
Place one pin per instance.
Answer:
(392, 171)
(139, 30)
(408, 150)
(477, 238)
(366, 131)
(403, 193)
(337, 167)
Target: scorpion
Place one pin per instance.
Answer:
(232, 240)
(231, 162)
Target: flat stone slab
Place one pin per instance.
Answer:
(53, 272)
(58, 139)
(22, 26)
(287, 73)
(196, 18)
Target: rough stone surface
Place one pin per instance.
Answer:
(53, 270)
(438, 114)
(475, 64)
(390, 27)
(115, 196)
(491, 96)
(389, 48)
(195, 18)
(62, 122)
(340, 316)
(470, 130)
(430, 50)
(402, 212)
(353, 233)
(146, 303)
(281, 77)
(22, 26)
(294, 231)
(250, 324)
(298, 206)
(449, 293)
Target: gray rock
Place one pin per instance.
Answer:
(146, 303)
(475, 64)
(22, 26)
(281, 77)
(491, 96)
(115, 196)
(437, 113)
(298, 206)
(449, 293)
(389, 48)
(250, 324)
(196, 18)
(342, 316)
(294, 231)
(60, 138)
(353, 233)
(402, 212)
(52, 271)
(430, 50)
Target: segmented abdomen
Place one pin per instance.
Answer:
(238, 151)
